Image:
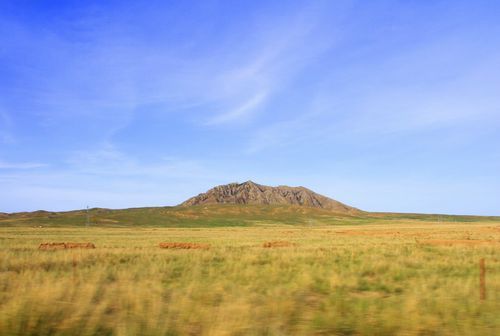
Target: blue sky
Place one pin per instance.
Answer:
(384, 105)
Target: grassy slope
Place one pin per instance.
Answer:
(217, 215)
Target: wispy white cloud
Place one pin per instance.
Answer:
(104, 71)
(240, 112)
(21, 165)
(422, 88)
(277, 57)
(107, 177)
(108, 161)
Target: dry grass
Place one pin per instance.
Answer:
(330, 283)
(452, 242)
(278, 243)
(186, 246)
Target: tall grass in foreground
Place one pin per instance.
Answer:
(336, 281)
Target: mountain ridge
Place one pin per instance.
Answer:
(250, 192)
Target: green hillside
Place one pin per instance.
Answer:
(216, 215)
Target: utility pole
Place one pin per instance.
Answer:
(88, 217)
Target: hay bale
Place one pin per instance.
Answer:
(188, 246)
(64, 246)
(80, 245)
(52, 246)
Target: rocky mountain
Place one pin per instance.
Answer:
(253, 193)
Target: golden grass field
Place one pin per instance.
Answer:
(406, 278)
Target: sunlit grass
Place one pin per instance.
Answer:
(344, 280)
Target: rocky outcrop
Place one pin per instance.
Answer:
(253, 193)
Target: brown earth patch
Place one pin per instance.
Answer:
(188, 246)
(451, 242)
(63, 246)
(278, 243)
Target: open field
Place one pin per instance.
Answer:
(402, 277)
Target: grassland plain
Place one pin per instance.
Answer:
(387, 278)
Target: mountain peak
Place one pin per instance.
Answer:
(249, 183)
(250, 192)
